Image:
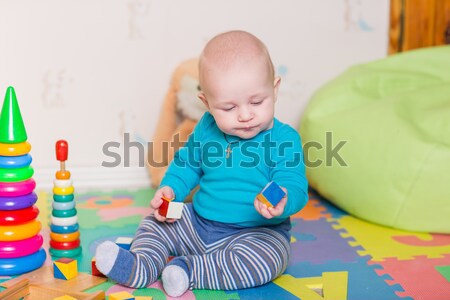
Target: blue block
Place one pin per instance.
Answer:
(271, 193)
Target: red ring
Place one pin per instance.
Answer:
(19, 216)
(64, 245)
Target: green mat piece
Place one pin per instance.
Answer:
(445, 271)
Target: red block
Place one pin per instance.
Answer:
(95, 271)
(164, 207)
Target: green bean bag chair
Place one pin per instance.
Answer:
(394, 117)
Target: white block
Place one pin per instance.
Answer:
(175, 209)
(124, 240)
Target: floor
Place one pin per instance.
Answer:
(334, 255)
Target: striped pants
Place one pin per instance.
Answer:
(247, 258)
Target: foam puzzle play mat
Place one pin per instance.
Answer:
(334, 256)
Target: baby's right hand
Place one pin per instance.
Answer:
(156, 202)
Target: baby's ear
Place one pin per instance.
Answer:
(202, 97)
(276, 85)
(276, 82)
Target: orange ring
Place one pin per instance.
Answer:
(19, 232)
(62, 175)
(65, 237)
(15, 149)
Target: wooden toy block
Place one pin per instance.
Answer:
(124, 242)
(94, 270)
(121, 296)
(170, 209)
(143, 298)
(16, 288)
(65, 268)
(65, 297)
(40, 285)
(271, 194)
(164, 206)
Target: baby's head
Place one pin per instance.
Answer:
(238, 85)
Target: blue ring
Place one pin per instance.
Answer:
(63, 198)
(64, 229)
(10, 162)
(24, 264)
(19, 202)
(63, 205)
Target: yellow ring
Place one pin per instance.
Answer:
(63, 191)
(19, 232)
(65, 237)
(15, 149)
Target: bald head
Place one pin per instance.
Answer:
(231, 49)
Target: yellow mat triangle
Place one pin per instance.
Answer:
(330, 286)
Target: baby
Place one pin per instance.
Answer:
(226, 239)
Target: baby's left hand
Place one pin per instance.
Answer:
(270, 212)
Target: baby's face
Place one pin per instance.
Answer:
(241, 99)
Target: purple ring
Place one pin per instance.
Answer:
(19, 202)
(14, 189)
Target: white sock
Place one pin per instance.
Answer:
(105, 256)
(175, 280)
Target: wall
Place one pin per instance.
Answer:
(90, 70)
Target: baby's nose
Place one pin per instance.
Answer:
(245, 115)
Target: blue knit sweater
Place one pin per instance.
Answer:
(229, 185)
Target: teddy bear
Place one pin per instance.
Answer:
(179, 114)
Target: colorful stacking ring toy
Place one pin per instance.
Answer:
(14, 175)
(65, 253)
(64, 213)
(7, 162)
(63, 198)
(63, 205)
(21, 248)
(65, 245)
(16, 217)
(62, 183)
(19, 202)
(15, 149)
(14, 189)
(63, 191)
(20, 265)
(64, 229)
(19, 232)
(65, 237)
(64, 221)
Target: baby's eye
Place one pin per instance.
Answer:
(257, 102)
(227, 108)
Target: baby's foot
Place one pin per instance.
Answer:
(105, 256)
(175, 280)
(120, 265)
